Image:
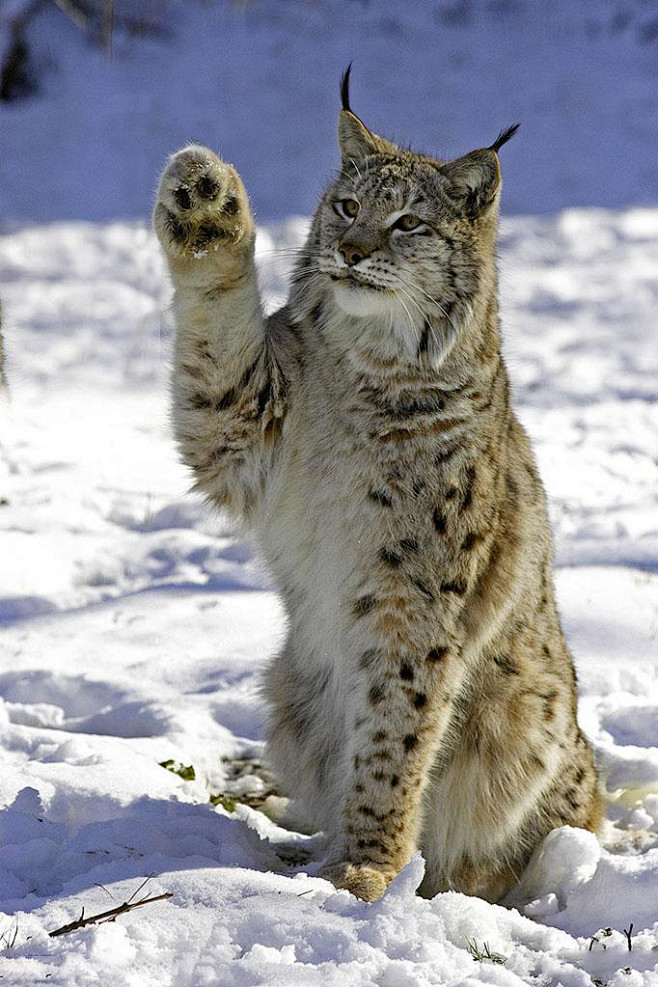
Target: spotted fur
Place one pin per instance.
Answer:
(424, 696)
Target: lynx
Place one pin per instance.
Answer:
(424, 697)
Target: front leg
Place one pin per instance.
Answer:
(406, 684)
(228, 387)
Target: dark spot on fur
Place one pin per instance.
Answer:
(406, 671)
(379, 737)
(424, 589)
(317, 312)
(358, 788)
(405, 408)
(425, 338)
(570, 796)
(199, 401)
(451, 493)
(378, 776)
(191, 369)
(395, 781)
(512, 487)
(439, 521)
(445, 455)
(356, 762)
(216, 456)
(226, 400)
(546, 653)
(532, 474)
(468, 493)
(380, 497)
(420, 700)
(231, 206)
(390, 557)
(506, 665)
(488, 401)
(364, 605)
(580, 774)
(409, 545)
(368, 658)
(264, 398)
(377, 845)
(376, 694)
(437, 654)
(470, 540)
(458, 588)
(549, 704)
(410, 741)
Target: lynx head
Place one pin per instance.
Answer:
(403, 243)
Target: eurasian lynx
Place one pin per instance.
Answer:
(425, 696)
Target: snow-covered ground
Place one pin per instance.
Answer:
(133, 626)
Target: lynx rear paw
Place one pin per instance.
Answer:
(366, 882)
(202, 206)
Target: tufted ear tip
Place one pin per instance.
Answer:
(345, 88)
(503, 137)
(355, 140)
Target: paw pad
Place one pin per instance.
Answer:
(183, 198)
(207, 188)
(201, 205)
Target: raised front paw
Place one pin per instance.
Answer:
(202, 206)
(363, 880)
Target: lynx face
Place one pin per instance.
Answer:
(406, 238)
(392, 247)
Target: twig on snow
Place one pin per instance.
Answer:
(108, 916)
(628, 933)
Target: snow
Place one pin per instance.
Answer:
(134, 623)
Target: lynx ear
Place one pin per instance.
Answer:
(354, 138)
(475, 178)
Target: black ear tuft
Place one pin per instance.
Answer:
(345, 88)
(503, 137)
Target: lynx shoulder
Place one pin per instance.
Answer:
(424, 696)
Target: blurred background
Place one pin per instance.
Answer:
(95, 93)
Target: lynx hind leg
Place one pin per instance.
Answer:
(202, 207)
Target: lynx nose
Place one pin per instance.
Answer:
(352, 253)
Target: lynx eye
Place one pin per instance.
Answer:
(407, 223)
(349, 208)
